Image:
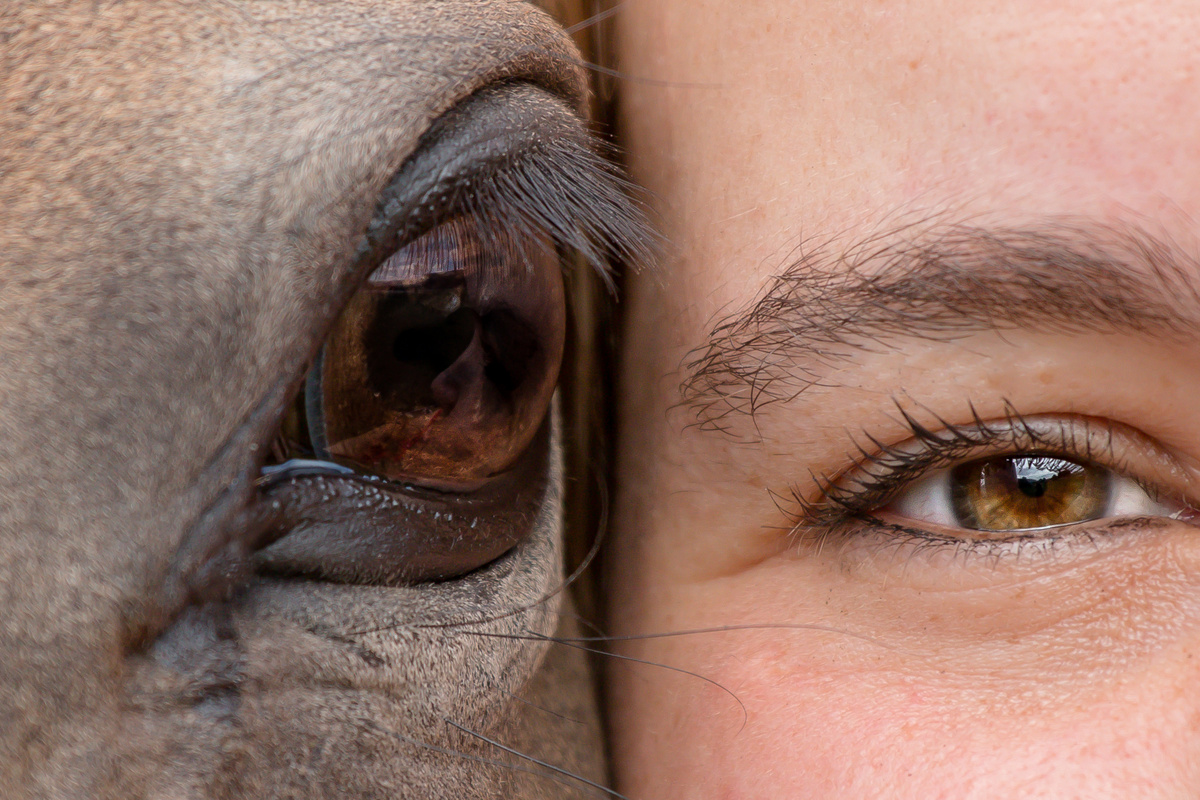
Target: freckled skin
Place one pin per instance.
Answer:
(758, 126)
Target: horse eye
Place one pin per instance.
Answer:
(441, 368)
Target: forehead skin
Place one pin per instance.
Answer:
(759, 127)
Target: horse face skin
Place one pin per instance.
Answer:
(184, 185)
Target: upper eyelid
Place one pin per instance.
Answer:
(514, 157)
(835, 502)
(517, 157)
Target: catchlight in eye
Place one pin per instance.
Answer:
(441, 368)
(1028, 491)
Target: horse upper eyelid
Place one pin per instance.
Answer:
(516, 158)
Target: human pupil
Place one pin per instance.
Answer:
(1027, 491)
(1035, 475)
(1032, 487)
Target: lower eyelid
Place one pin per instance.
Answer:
(872, 538)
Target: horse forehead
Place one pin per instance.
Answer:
(179, 177)
(145, 105)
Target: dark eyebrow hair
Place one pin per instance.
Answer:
(937, 282)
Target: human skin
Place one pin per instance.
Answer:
(777, 137)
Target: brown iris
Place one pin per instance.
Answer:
(1027, 491)
(442, 367)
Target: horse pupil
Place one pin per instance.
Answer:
(407, 347)
(436, 346)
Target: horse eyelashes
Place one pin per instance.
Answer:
(441, 368)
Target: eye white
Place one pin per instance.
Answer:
(929, 500)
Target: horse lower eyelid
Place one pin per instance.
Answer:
(348, 529)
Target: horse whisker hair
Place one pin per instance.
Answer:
(469, 757)
(595, 19)
(568, 642)
(532, 704)
(727, 628)
(538, 761)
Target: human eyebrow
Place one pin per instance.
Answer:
(937, 283)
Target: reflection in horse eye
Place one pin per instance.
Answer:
(441, 368)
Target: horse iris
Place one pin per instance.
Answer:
(441, 369)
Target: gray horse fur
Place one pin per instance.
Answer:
(181, 185)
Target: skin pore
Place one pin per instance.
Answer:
(905, 237)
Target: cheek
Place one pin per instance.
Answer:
(936, 707)
(821, 732)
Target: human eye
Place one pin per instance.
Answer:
(1004, 487)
